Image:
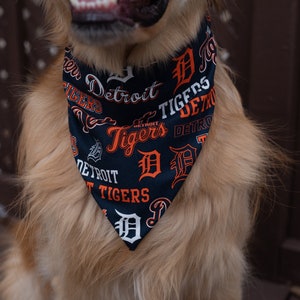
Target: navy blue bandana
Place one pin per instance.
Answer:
(135, 138)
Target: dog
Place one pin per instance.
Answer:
(152, 196)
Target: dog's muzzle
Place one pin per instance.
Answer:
(129, 12)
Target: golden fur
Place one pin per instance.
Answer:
(65, 249)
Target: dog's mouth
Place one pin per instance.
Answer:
(129, 12)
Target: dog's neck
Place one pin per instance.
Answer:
(159, 48)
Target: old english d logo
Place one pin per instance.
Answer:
(136, 138)
(185, 68)
(182, 162)
(129, 227)
(150, 164)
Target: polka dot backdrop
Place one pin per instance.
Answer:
(23, 53)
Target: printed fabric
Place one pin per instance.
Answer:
(136, 137)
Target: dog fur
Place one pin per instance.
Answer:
(65, 249)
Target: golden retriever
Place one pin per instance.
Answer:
(65, 248)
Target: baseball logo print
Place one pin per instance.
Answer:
(136, 137)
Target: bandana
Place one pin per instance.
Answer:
(136, 137)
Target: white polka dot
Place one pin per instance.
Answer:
(53, 50)
(39, 32)
(27, 47)
(224, 55)
(225, 16)
(3, 43)
(4, 103)
(26, 14)
(3, 74)
(3, 212)
(41, 64)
